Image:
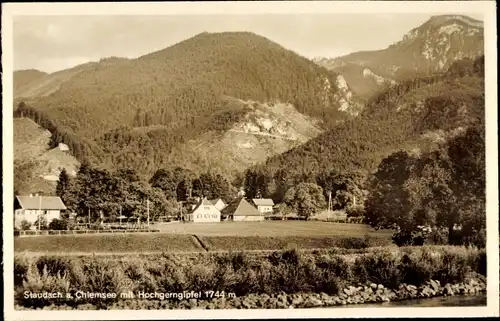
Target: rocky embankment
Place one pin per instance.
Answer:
(367, 293)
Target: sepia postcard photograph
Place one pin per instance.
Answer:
(292, 159)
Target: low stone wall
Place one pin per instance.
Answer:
(368, 293)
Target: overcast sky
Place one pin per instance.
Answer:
(52, 43)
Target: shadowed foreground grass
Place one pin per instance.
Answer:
(253, 243)
(139, 242)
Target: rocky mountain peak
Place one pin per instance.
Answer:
(429, 48)
(446, 25)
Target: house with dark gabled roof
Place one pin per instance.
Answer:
(204, 212)
(29, 208)
(241, 210)
(264, 205)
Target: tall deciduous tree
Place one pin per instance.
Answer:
(388, 200)
(443, 189)
(306, 199)
(165, 180)
(213, 186)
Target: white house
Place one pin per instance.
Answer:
(63, 147)
(218, 203)
(264, 205)
(241, 210)
(30, 207)
(204, 212)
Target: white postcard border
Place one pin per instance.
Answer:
(257, 7)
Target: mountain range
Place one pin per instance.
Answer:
(425, 50)
(230, 101)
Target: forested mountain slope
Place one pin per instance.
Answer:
(430, 48)
(36, 165)
(413, 116)
(132, 113)
(25, 78)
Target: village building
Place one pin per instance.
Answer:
(204, 212)
(264, 205)
(241, 210)
(218, 203)
(63, 147)
(29, 208)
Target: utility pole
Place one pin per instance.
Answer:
(39, 211)
(89, 216)
(120, 215)
(147, 206)
(181, 211)
(329, 201)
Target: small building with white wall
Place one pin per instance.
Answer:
(264, 205)
(204, 212)
(29, 208)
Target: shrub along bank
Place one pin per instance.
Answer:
(257, 280)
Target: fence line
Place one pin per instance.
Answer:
(74, 232)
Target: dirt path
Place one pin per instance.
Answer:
(199, 242)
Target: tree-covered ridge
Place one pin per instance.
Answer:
(184, 82)
(135, 111)
(23, 78)
(447, 101)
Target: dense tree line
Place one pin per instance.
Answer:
(443, 191)
(101, 194)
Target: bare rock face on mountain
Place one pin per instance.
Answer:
(265, 130)
(428, 49)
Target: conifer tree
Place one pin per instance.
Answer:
(62, 183)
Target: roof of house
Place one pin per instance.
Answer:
(240, 207)
(214, 201)
(202, 202)
(263, 201)
(47, 202)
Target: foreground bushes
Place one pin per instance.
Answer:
(239, 273)
(369, 293)
(440, 237)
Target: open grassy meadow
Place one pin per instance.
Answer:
(107, 243)
(271, 228)
(192, 237)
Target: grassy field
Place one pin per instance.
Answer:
(108, 243)
(271, 228)
(273, 235)
(252, 243)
